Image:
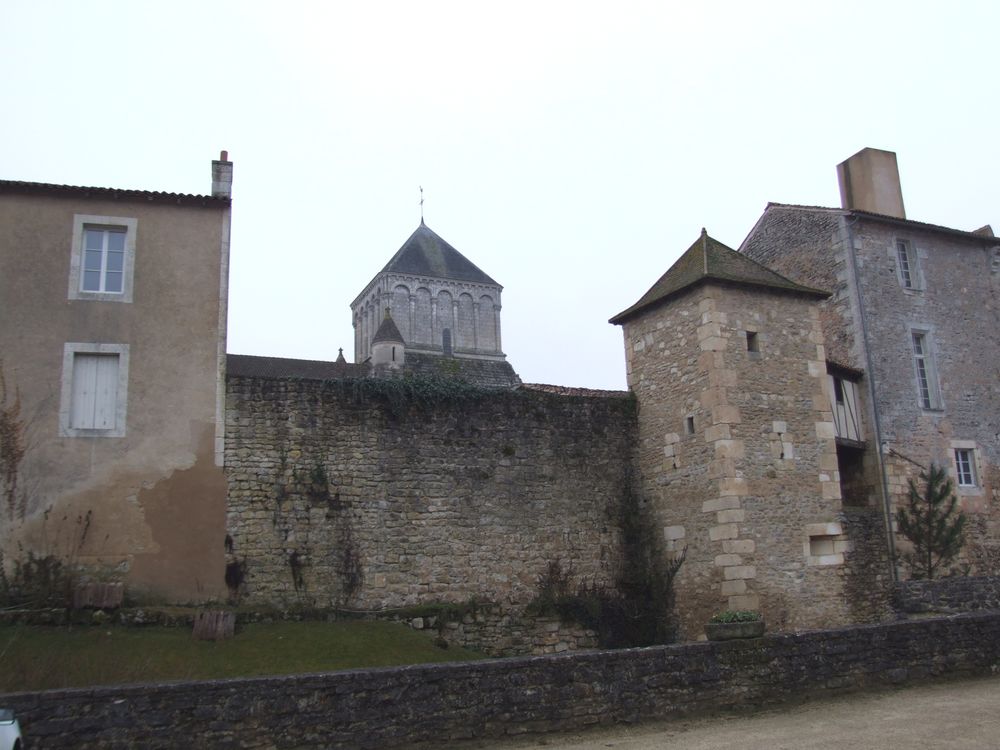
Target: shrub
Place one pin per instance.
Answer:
(736, 615)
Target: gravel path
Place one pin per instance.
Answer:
(952, 715)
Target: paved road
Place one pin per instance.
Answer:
(952, 716)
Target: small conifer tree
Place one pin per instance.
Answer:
(933, 523)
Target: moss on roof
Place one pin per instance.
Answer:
(708, 259)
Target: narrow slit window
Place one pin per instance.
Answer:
(926, 383)
(906, 270)
(689, 425)
(753, 341)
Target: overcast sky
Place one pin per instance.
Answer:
(572, 150)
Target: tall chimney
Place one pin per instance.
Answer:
(869, 181)
(222, 176)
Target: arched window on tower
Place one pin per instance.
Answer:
(487, 325)
(465, 336)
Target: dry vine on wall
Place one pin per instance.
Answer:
(12, 448)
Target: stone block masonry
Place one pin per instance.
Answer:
(737, 455)
(442, 704)
(340, 498)
(957, 594)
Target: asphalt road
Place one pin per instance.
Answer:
(950, 715)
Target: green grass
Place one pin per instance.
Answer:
(40, 658)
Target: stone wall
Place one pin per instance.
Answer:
(954, 281)
(500, 631)
(737, 453)
(956, 594)
(372, 495)
(808, 247)
(439, 705)
(951, 306)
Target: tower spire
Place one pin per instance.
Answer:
(421, 204)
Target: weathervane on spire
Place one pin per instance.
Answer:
(421, 204)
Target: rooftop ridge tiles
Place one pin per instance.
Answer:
(35, 188)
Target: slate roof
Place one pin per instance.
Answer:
(426, 254)
(16, 187)
(708, 259)
(387, 331)
(245, 365)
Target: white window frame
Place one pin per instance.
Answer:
(82, 222)
(970, 451)
(925, 369)
(908, 267)
(70, 351)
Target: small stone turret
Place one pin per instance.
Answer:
(388, 347)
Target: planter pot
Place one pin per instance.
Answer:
(727, 631)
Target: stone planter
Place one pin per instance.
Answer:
(727, 631)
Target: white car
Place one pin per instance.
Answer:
(10, 730)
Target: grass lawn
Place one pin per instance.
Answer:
(40, 658)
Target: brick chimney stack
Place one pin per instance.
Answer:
(869, 181)
(222, 176)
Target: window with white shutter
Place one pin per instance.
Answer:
(95, 383)
(95, 391)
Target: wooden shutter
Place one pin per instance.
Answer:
(95, 391)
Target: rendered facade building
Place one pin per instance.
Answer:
(113, 339)
(912, 334)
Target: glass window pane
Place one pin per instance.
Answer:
(116, 261)
(113, 282)
(94, 239)
(116, 242)
(92, 261)
(92, 281)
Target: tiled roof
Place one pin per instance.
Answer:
(836, 368)
(245, 365)
(562, 390)
(426, 254)
(708, 259)
(485, 372)
(74, 191)
(976, 234)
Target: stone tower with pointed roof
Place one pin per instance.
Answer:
(388, 347)
(440, 301)
(736, 439)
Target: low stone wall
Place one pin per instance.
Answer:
(499, 632)
(957, 594)
(441, 704)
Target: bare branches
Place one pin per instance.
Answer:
(12, 448)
